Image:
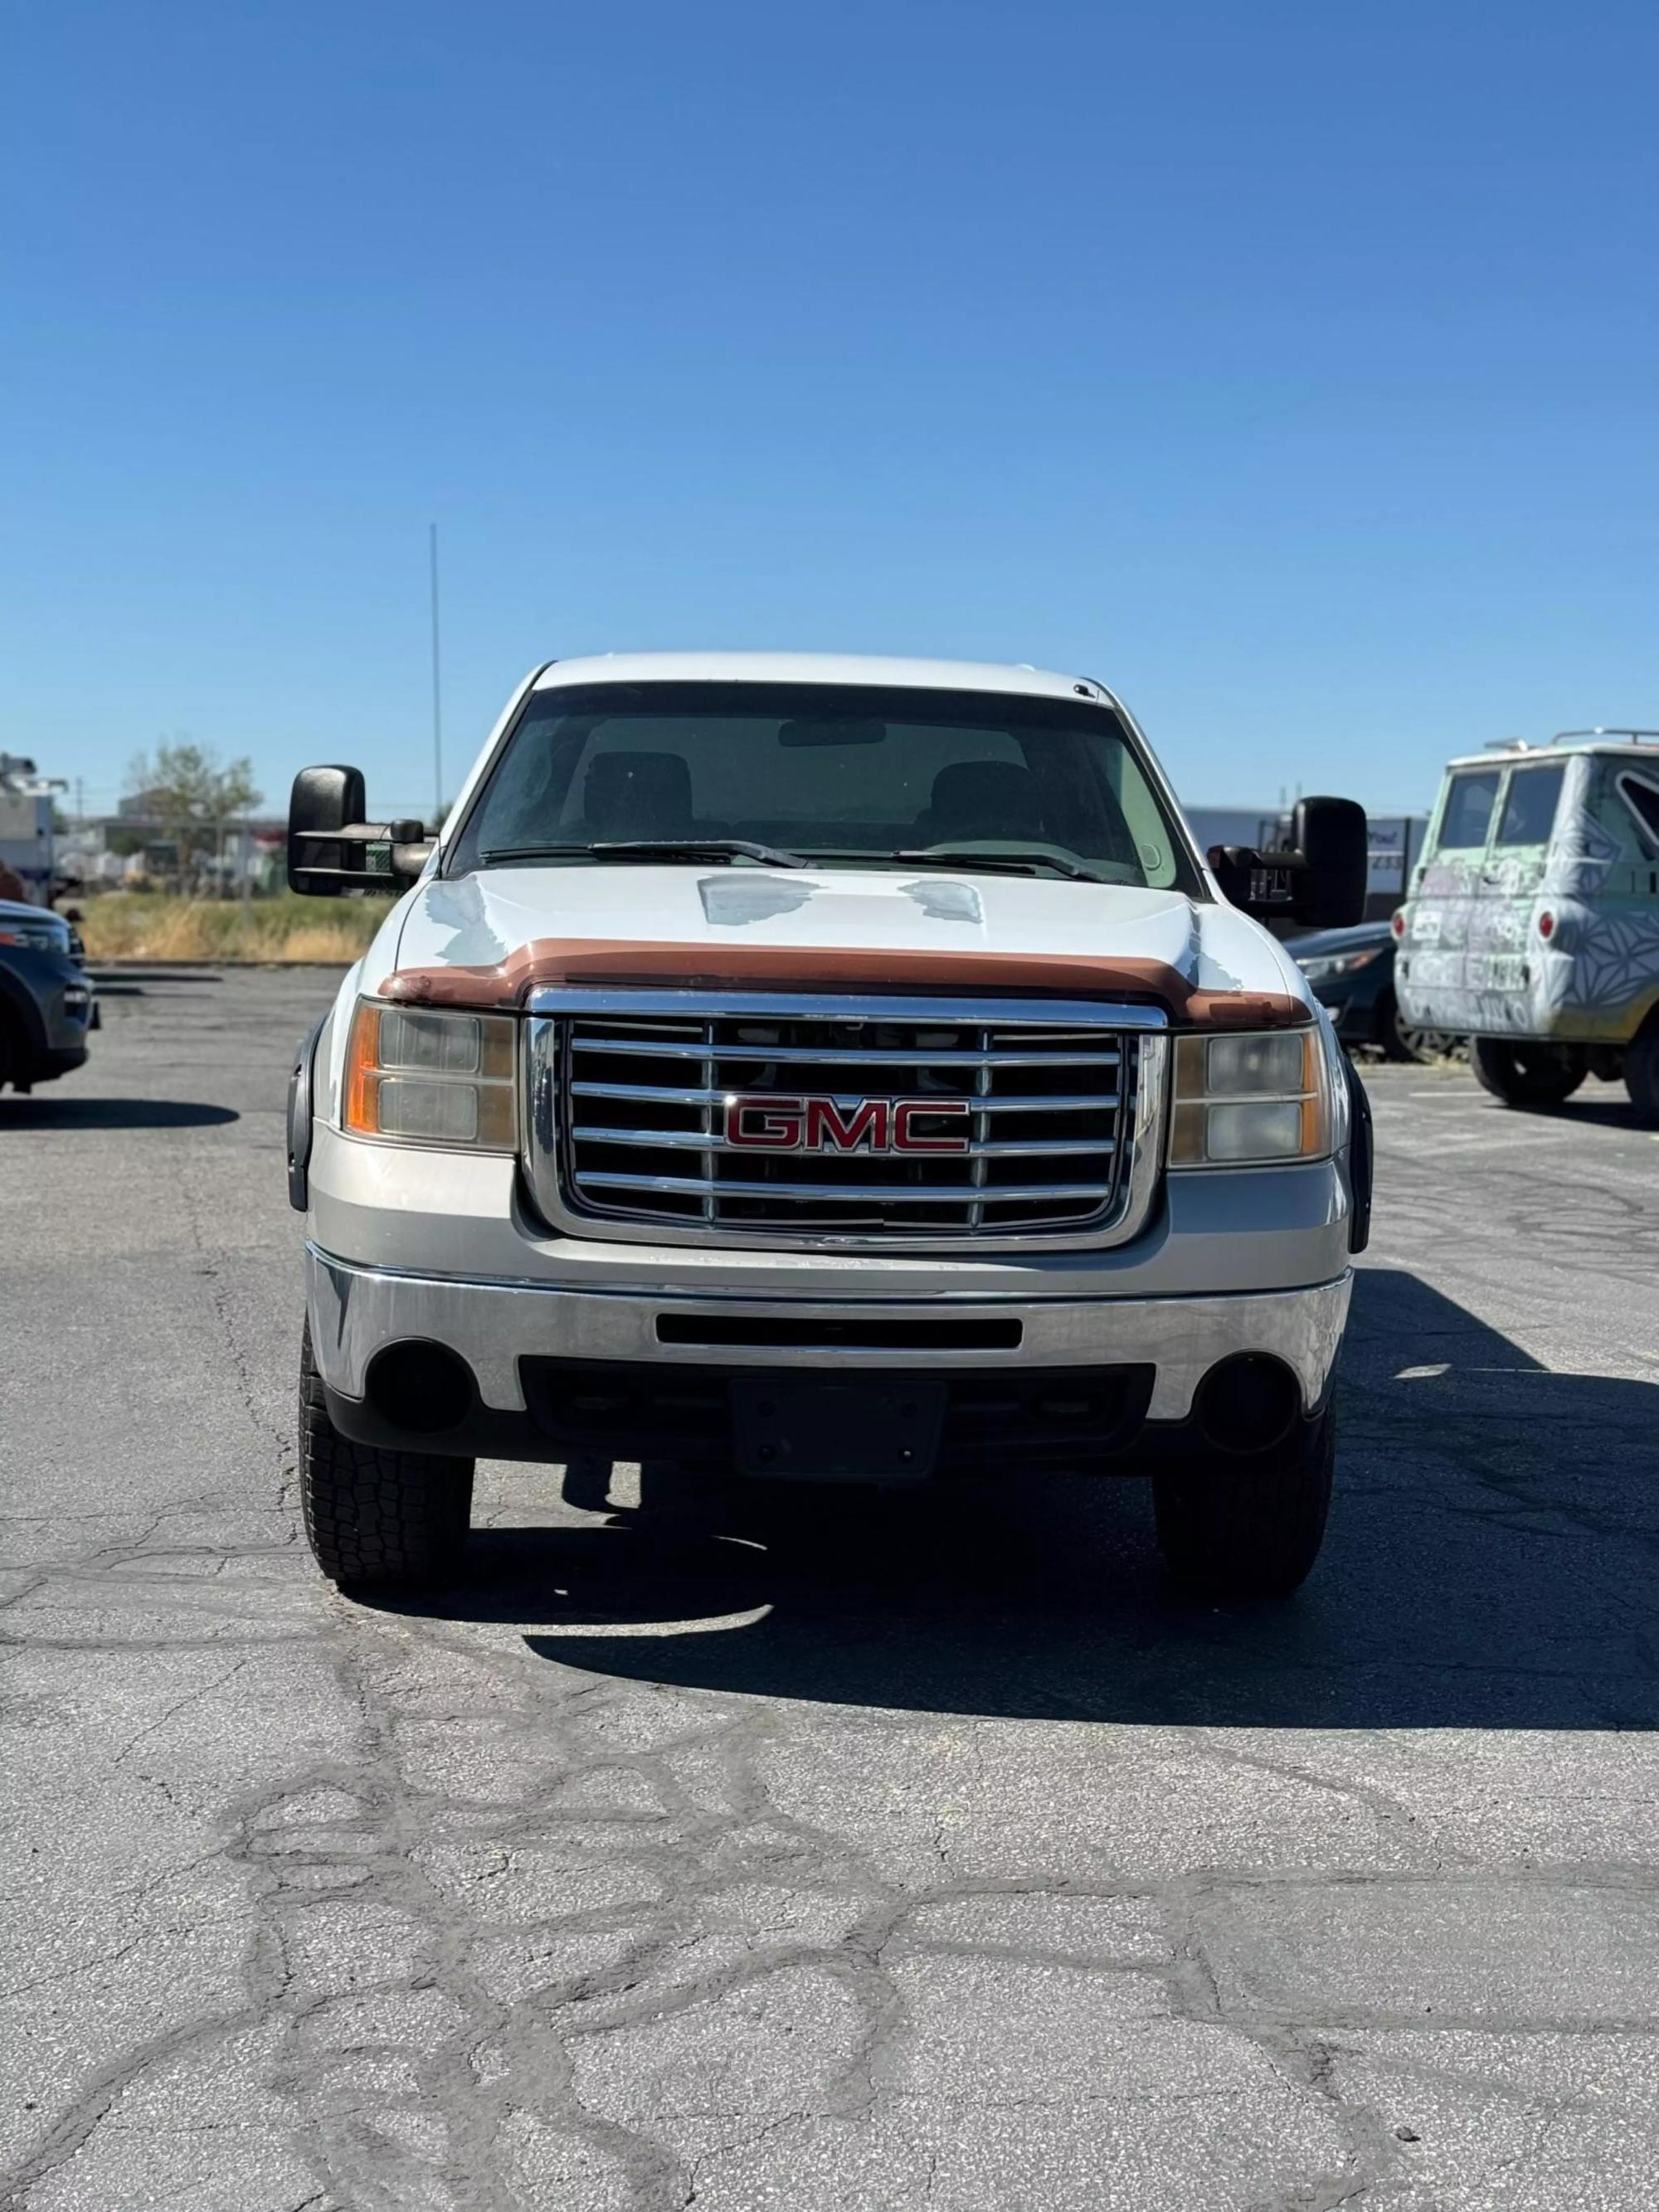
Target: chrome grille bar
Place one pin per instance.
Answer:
(663, 1093)
(676, 1048)
(699, 1140)
(980, 1148)
(707, 1102)
(880, 1194)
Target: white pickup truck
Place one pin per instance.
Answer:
(825, 1070)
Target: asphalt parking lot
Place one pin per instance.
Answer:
(933, 1858)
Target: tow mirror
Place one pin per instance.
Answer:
(331, 849)
(1321, 880)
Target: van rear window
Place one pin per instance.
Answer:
(1529, 808)
(1467, 817)
(1642, 799)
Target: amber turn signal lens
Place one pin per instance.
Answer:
(362, 1064)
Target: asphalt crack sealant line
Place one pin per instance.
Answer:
(930, 1857)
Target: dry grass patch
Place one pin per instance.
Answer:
(151, 926)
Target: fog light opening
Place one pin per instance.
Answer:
(1247, 1403)
(426, 1388)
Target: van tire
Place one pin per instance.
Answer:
(1526, 1072)
(1642, 1073)
(1252, 1527)
(377, 1520)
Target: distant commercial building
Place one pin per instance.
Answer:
(139, 843)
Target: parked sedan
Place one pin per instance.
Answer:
(46, 1004)
(1351, 973)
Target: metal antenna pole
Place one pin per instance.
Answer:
(437, 708)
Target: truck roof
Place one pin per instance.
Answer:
(817, 668)
(1644, 747)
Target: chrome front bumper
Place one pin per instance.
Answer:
(354, 1310)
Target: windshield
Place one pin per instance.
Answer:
(834, 775)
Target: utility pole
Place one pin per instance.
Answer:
(437, 705)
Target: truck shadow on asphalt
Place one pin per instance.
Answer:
(35, 1112)
(1490, 1564)
(1612, 1110)
(129, 983)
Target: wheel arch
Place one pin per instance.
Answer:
(1361, 1161)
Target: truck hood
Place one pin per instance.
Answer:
(491, 937)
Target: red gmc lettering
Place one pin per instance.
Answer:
(827, 1130)
(765, 1124)
(906, 1110)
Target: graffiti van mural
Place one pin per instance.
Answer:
(1533, 918)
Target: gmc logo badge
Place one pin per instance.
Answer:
(768, 1123)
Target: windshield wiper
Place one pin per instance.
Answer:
(727, 849)
(1006, 864)
(653, 848)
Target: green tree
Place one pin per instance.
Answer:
(194, 797)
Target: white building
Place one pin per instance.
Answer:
(25, 833)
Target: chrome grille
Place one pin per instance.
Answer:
(631, 1117)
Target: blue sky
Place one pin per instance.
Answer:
(1290, 367)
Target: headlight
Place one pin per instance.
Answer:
(1321, 971)
(421, 1078)
(39, 936)
(1243, 1101)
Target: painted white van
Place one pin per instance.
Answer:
(1533, 920)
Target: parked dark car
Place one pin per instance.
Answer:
(46, 1004)
(1351, 972)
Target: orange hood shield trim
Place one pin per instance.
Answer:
(627, 963)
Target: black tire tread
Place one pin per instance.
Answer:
(1500, 1069)
(1251, 1528)
(377, 1519)
(1642, 1073)
(1388, 1035)
(12, 1054)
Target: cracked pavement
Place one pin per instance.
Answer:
(925, 1853)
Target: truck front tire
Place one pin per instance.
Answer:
(1525, 1073)
(1250, 1528)
(377, 1520)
